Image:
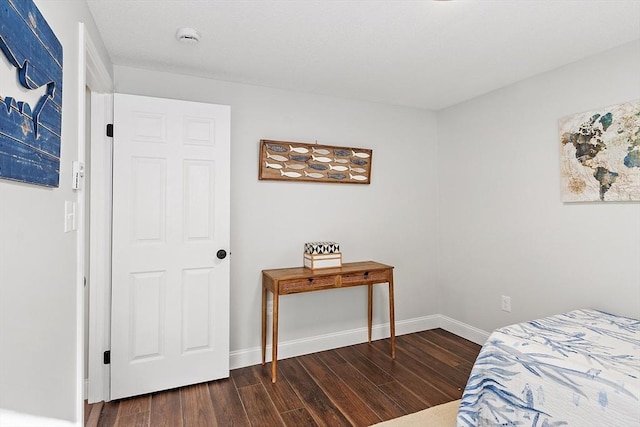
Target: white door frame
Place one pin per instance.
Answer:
(100, 247)
(80, 235)
(99, 81)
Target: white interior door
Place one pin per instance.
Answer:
(170, 291)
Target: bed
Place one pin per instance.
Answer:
(580, 368)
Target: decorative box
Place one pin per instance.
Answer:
(322, 255)
(321, 248)
(314, 261)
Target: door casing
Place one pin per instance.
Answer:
(99, 81)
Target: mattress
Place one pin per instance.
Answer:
(580, 368)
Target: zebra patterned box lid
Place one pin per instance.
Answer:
(321, 248)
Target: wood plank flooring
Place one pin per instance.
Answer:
(357, 385)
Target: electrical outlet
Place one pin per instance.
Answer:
(270, 307)
(505, 303)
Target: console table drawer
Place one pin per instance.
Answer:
(300, 285)
(365, 277)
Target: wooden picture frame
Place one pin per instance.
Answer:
(299, 161)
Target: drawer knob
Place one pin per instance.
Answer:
(310, 279)
(366, 274)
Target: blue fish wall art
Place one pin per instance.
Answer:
(30, 134)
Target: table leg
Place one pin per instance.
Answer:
(392, 320)
(370, 310)
(264, 324)
(274, 339)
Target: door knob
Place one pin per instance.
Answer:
(221, 254)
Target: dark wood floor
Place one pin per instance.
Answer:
(357, 385)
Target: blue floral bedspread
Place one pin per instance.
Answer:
(580, 368)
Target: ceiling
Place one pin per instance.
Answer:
(425, 54)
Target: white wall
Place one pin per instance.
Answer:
(392, 220)
(39, 309)
(503, 228)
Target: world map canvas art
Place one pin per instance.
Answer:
(600, 155)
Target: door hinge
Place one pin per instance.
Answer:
(110, 130)
(106, 359)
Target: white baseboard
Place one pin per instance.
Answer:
(299, 347)
(463, 330)
(286, 349)
(18, 419)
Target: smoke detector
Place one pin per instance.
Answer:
(188, 35)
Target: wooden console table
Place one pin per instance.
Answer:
(284, 281)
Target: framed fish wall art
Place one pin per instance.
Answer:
(31, 98)
(298, 161)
